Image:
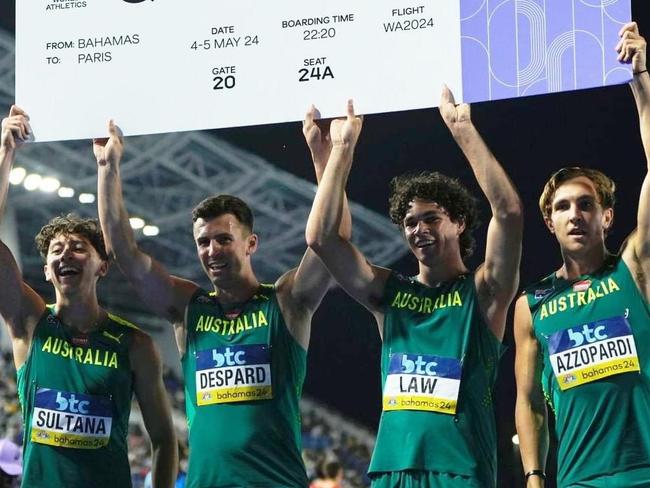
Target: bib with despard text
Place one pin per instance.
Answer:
(233, 374)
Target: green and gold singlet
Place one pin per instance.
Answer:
(439, 365)
(243, 380)
(75, 391)
(594, 334)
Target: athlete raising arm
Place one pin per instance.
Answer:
(252, 334)
(78, 365)
(583, 332)
(443, 321)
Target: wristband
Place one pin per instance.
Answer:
(535, 472)
(639, 72)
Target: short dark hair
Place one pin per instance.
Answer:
(71, 224)
(219, 205)
(447, 192)
(605, 187)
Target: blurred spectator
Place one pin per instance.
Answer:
(11, 464)
(330, 475)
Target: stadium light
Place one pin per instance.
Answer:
(150, 230)
(136, 223)
(49, 185)
(17, 175)
(32, 182)
(86, 198)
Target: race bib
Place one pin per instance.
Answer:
(71, 420)
(589, 352)
(233, 374)
(422, 382)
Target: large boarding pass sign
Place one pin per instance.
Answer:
(171, 65)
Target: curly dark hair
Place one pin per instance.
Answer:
(447, 192)
(71, 224)
(219, 205)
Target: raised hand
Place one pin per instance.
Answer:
(317, 135)
(632, 47)
(457, 117)
(345, 131)
(15, 128)
(111, 149)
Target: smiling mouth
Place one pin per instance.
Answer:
(216, 266)
(423, 244)
(68, 271)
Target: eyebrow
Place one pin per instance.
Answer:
(427, 213)
(215, 236)
(579, 198)
(71, 241)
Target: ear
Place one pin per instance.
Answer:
(608, 218)
(461, 225)
(46, 272)
(103, 269)
(251, 244)
(549, 225)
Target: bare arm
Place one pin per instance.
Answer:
(530, 409)
(166, 295)
(302, 289)
(632, 49)
(363, 281)
(498, 278)
(156, 411)
(20, 306)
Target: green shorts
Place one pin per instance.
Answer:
(632, 478)
(421, 479)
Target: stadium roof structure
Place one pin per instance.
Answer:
(164, 176)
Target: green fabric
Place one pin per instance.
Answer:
(97, 364)
(602, 426)
(443, 321)
(421, 479)
(253, 443)
(635, 478)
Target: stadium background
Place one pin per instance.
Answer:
(531, 137)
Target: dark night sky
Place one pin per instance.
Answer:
(531, 137)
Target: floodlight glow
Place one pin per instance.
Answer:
(136, 223)
(17, 175)
(515, 440)
(49, 185)
(150, 230)
(32, 182)
(86, 198)
(65, 192)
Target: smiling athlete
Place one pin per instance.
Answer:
(441, 329)
(78, 366)
(243, 345)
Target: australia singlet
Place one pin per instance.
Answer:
(243, 380)
(75, 391)
(439, 364)
(594, 334)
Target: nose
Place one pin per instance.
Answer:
(574, 213)
(65, 253)
(214, 248)
(421, 227)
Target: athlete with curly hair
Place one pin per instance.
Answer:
(78, 366)
(441, 329)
